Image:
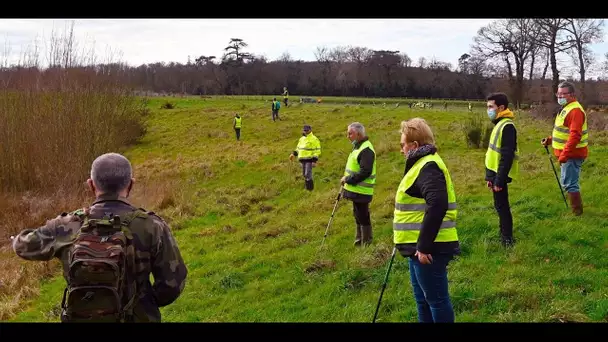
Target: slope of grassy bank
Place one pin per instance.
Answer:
(250, 232)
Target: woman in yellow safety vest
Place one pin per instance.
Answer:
(424, 223)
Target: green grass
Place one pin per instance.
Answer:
(251, 233)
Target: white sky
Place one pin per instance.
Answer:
(138, 41)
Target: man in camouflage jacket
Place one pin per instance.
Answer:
(156, 251)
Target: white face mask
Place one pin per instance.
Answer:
(562, 101)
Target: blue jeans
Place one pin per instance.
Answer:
(430, 285)
(570, 172)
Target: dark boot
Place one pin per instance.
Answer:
(576, 202)
(358, 236)
(309, 185)
(366, 235)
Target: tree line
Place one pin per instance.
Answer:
(519, 56)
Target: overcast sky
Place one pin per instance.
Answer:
(138, 41)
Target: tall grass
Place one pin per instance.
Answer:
(54, 120)
(477, 130)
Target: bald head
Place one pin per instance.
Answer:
(111, 174)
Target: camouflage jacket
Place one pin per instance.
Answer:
(157, 252)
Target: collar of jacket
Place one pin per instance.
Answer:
(105, 198)
(507, 113)
(420, 152)
(358, 143)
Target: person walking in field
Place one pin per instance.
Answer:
(307, 152)
(424, 223)
(237, 125)
(570, 143)
(502, 161)
(276, 105)
(285, 96)
(359, 180)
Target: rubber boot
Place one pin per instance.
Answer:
(576, 202)
(309, 184)
(366, 235)
(358, 236)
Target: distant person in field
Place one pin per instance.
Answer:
(141, 245)
(502, 161)
(307, 152)
(445, 106)
(285, 96)
(276, 105)
(237, 124)
(570, 140)
(470, 107)
(359, 180)
(424, 223)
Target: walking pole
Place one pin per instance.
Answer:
(390, 264)
(557, 178)
(332, 215)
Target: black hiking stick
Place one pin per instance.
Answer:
(390, 264)
(332, 215)
(557, 178)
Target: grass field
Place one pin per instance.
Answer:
(358, 100)
(250, 232)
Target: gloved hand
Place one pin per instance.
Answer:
(546, 141)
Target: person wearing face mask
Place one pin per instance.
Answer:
(570, 140)
(502, 164)
(308, 152)
(359, 180)
(424, 223)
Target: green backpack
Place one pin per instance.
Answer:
(101, 282)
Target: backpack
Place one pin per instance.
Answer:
(101, 280)
(277, 105)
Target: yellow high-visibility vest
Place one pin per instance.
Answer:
(409, 211)
(365, 187)
(493, 152)
(561, 132)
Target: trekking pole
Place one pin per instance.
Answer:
(390, 264)
(557, 178)
(332, 216)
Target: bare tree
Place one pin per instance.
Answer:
(339, 54)
(422, 62)
(510, 39)
(285, 57)
(583, 32)
(406, 61)
(550, 36)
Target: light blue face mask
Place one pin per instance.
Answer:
(492, 114)
(562, 101)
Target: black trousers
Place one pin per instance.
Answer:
(501, 204)
(238, 133)
(361, 212)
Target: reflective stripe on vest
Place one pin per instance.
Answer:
(409, 211)
(561, 132)
(365, 187)
(237, 123)
(493, 152)
(308, 147)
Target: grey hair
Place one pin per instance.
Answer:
(111, 173)
(568, 85)
(358, 127)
